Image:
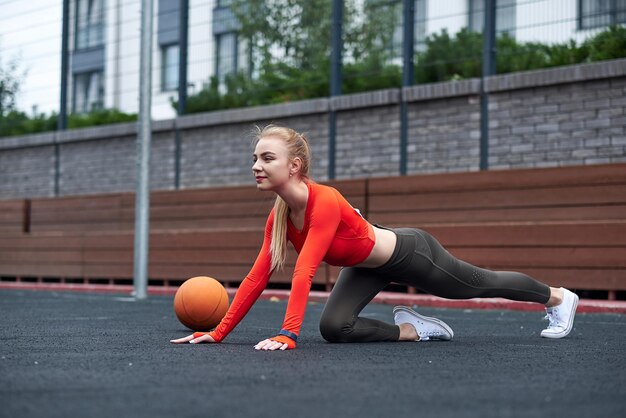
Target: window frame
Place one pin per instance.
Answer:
(476, 25)
(164, 65)
(218, 51)
(99, 102)
(89, 25)
(611, 13)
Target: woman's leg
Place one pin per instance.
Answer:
(436, 271)
(355, 288)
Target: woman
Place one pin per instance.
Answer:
(323, 226)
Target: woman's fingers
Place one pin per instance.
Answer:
(206, 338)
(182, 340)
(270, 345)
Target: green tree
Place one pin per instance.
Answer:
(289, 42)
(10, 81)
(292, 37)
(457, 57)
(19, 123)
(607, 45)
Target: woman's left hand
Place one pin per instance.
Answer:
(279, 342)
(271, 345)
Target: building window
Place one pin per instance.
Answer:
(226, 54)
(89, 23)
(169, 67)
(88, 92)
(599, 13)
(505, 16)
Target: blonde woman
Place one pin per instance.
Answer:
(323, 226)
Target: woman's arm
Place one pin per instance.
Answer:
(248, 292)
(324, 220)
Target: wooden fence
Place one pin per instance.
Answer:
(565, 226)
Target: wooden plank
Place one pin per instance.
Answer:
(212, 194)
(82, 213)
(108, 270)
(58, 256)
(175, 256)
(12, 215)
(518, 257)
(41, 270)
(80, 227)
(213, 223)
(11, 205)
(180, 239)
(76, 215)
(588, 279)
(208, 239)
(34, 242)
(501, 199)
(182, 272)
(546, 234)
(122, 240)
(60, 205)
(349, 188)
(502, 179)
(434, 217)
(210, 210)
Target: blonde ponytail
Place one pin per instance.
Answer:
(278, 248)
(298, 147)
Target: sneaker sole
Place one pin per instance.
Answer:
(570, 324)
(426, 318)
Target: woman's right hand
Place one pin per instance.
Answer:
(195, 338)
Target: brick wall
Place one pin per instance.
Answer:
(563, 116)
(558, 125)
(27, 172)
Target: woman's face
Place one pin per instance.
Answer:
(271, 163)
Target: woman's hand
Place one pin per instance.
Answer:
(280, 342)
(194, 339)
(271, 345)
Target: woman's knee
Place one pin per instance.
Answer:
(335, 329)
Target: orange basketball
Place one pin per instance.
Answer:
(200, 303)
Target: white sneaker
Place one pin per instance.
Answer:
(561, 317)
(427, 328)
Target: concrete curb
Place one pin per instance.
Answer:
(388, 298)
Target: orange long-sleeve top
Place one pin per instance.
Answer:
(333, 231)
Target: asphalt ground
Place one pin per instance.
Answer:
(65, 354)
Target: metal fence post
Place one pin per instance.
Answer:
(489, 69)
(408, 46)
(62, 118)
(182, 85)
(335, 81)
(142, 200)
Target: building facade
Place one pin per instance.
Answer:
(105, 41)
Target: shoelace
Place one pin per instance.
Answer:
(427, 334)
(553, 318)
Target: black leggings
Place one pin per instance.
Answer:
(418, 260)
